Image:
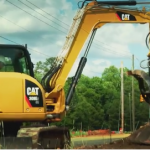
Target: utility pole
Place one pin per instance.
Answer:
(122, 99)
(133, 105)
(130, 111)
(119, 116)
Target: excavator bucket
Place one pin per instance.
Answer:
(141, 136)
(54, 138)
(15, 143)
(50, 137)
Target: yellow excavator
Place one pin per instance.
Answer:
(24, 99)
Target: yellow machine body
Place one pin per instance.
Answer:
(15, 96)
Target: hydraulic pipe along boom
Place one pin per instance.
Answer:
(129, 3)
(75, 79)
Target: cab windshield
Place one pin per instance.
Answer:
(13, 60)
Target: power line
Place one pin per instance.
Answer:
(137, 59)
(9, 40)
(39, 52)
(44, 16)
(47, 13)
(35, 16)
(33, 49)
(62, 21)
(20, 44)
(116, 53)
(109, 46)
(41, 14)
(38, 18)
(42, 53)
(99, 41)
(129, 55)
(28, 48)
(16, 24)
(31, 32)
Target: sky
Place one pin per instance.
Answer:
(22, 22)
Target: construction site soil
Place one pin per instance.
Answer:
(139, 139)
(120, 144)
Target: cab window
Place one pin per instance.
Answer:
(13, 60)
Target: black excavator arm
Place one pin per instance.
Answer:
(144, 83)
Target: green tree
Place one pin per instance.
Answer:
(41, 68)
(96, 101)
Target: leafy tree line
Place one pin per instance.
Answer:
(97, 100)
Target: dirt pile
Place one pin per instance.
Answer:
(140, 139)
(120, 144)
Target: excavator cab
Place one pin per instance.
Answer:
(15, 58)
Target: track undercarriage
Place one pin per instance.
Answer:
(33, 137)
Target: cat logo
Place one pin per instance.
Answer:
(125, 16)
(122, 16)
(32, 91)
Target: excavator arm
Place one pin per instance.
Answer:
(87, 20)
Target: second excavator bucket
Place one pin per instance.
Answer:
(141, 136)
(144, 83)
